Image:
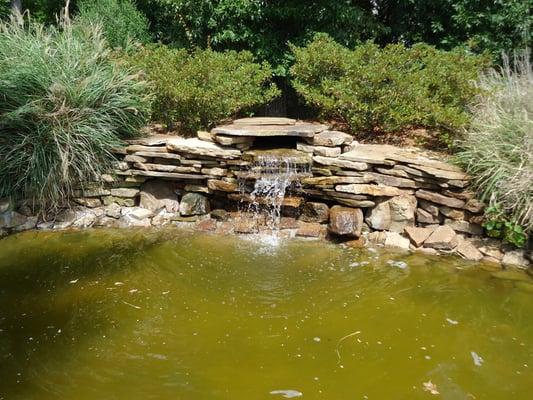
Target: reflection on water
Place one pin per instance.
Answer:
(173, 315)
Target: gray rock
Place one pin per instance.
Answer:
(315, 212)
(332, 139)
(424, 217)
(379, 217)
(108, 200)
(113, 211)
(199, 147)
(429, 207)
(124, 192)
(12, 219)
(327, 151)
(157, 195)
(465, 227)
(370, 153)
(442, 238)
(31, 223)
(84, 219)
(298, 129)
(5, 205)
(402, 210)
(345, 221)
(337, 162)
(194, 204)
(91, 202)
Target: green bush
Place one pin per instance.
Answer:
(63, 106)
(201, 89)
(497, 150)
(121, 21)
(386, 89)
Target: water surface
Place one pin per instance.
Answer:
(125, 314)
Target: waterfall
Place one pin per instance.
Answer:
(273, 177)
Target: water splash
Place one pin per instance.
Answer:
(273, 177)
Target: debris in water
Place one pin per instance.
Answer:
(131, 305)
(478, 360)
(397, 264)
(74, 281)
(430, 387)
(288, 394)
(451, 321)
(316, 339)
(119, 283)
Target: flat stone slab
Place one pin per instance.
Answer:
(298, 129)
(155, 140)
(199, 147)
(264, 121)
(371, 154)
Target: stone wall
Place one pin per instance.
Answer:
(360, 193)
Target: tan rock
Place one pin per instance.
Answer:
(468, 251)
(346, 221)
(222, 186)
(327, 151)
(452, 213)
(124, 192)
(337, 162)
(91, 202)
(265, 121)
(157, 194)
(298, 129)
(371, 190)
(206, 136)
(442, 238)
(417, 235)
(440, 199)
(309, 229)
(199, 147)
(394, 239)
(332, 139)
(370, 153)
(315, 212)
(233, 140)
(465, 227)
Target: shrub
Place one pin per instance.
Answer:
(497, 150)
(63, 106)
(121, 21)
(387, 89)
(205, 87)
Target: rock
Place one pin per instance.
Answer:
(133, 158)
(468, 251)
(165, 168)
(205, 136)
(429, 207)
(491, 252)
(371, 190)
(346, 221)
(452, 213)
(327, 151)
(221, 186)
(337, 162)
(465, 227)
(5, 205)
(194, 204)
(94, 192)
(440, 173)
(402, 211)
(31, 223)
(124, 192)
(157, 195)
(389, 180)
(334, 180)
(423, 217)
(113, 210)
(379, 217)
(474, 206)
(196, 188)
(418, 235)
(288, 223)
(394, 239)
(91, 202)
(298, 129)
(219, 215)
(515, 258)
(106, 221)
(3, 233)
(233, 140)
(12, 219)
(315, 212)
(377, 237)
(332, 139)
(163, 217)
(264, 121)
(370, 153)
(246, 226)
(207, 225)
(442, 238)
(108, 200)
(440, 199)
(84, 220)
(358, 243)
(138, 213)
(199, 147)
(306, 148)
(215, 171)
(309, 229)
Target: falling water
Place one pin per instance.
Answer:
(273, 177)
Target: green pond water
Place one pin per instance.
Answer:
(167, 314)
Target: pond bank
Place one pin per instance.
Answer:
(296, 177)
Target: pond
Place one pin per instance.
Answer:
(169, 314)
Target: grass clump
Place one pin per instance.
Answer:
(497, 150)
(63, 106)
(198, 90)
(386, 89)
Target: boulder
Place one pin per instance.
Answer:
(193, 204)
(84, 220)
(135, 217)
(113, 211)
(346, 221)
(379, 217)
(468, 251)
(327, 151)
(332, 139)
(315, 212)
(157, 195)
(402, 211)
(31, 223)
(12, 219)
(515, 258)
(417, 235)
(442, 238)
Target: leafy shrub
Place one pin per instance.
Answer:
(121, 21)
(200, 89)
(63, 106)
(387, 89)
(497, 150)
